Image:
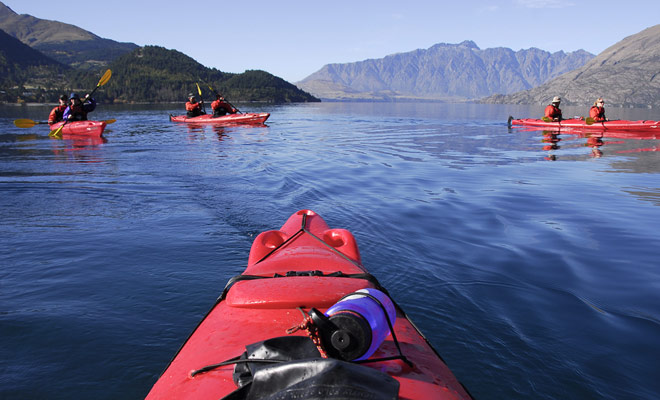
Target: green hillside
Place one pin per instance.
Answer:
(28, 75)
(156, 74)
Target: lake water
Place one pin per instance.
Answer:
(530, 260)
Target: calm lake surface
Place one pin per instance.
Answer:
(529, 259)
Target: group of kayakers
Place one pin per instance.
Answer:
(72, 108)
(596, 112)
(220, 106)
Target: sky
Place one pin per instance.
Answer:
(293, 39)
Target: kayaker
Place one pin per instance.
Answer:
(78, 109)
(193, 108)
(57, 113)
(221, 107)
(553, 111)
(597, 111)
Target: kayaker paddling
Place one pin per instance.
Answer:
(597, 111)
(79, 108)
(552, 111)
(221, 107)
(57, 113)
(193, 108)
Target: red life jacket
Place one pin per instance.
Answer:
(597, 113)
(56, 114)
(193, 106)
(219, 104)
(552, 112)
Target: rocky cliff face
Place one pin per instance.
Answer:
(442, 72)
(626, 74)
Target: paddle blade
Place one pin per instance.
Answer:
(110, 121)
(199, 90)
(589, 121)
(24, 123)
(546, 119)
(57, 133)
(105, 78)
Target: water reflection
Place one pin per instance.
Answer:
(632, 142)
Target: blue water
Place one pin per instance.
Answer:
(529, 260)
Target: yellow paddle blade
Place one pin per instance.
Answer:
(57, 132)
(110, 121)
(589, 121)
(105, 78)
(199, 90)
(24, 123)
(546, 119)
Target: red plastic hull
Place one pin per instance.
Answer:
(579, 124)
(81, 128)
(255, 310)
(230, 119)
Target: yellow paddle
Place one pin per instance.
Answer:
(27, 123)
(104, 79)
(201, 100)
(589, 121)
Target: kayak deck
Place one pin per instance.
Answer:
(81, 128)
(230, 119)
(304, 264)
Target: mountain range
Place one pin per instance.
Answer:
(41, 59)
(627, 74)
(452, 72)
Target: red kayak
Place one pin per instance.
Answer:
(229, 119)
(81, 128)
(306, 320)
(582, 125)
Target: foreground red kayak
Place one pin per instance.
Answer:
(81, 128)
(580, 124)
(286, 329)
(230, 119)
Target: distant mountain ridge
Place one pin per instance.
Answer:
(65, 43)
(626, 74)
(442, 72)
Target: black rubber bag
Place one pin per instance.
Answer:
(303, 374)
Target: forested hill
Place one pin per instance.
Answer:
(156, 74)
(19, 63)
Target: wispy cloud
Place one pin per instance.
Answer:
(544, 4)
